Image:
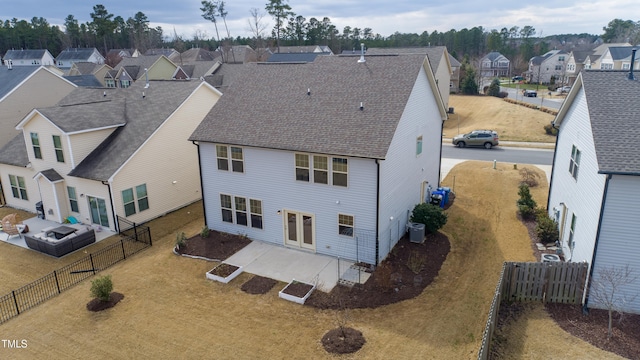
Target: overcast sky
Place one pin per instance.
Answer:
(548, 17)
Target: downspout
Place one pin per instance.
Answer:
(113, 209)
(553, 168)
(204, 208)
(585, 309)
(440, 157)
(378, 212)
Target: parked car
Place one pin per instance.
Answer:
(530, 93)
(564, 89)
(485, 138)
(517, 78)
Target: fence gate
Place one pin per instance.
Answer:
(554, 282)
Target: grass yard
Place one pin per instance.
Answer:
(171, 311)
(512, 122)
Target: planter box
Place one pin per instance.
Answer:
(297, 299)
(211, 276)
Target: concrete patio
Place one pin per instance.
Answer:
(36, 225)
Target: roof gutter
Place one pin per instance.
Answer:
(204, 208)
(553, 168)
(631, 173)
(585, 307)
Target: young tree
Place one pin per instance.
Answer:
(607, 290)
(280, 11)
(210, 12)
(469, 85)
(258, 27)
(103, 24)
(494, 88)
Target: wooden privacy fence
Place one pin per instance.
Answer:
(553, 282)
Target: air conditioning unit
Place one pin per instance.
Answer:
(547, 258)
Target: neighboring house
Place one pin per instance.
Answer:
(548, 68)
(575, 64)
(29, 57)
(590, 59)
(114, 56)
(147, 67)
(23, 88)
(294, 57)
(224, 75)
(168, 52)
(88, 68)
(454, 86)
(191, 56)
(303, 49)
(237, 54)
(593, 61)
(103, 153)
(439, 59)
(494, 65)
(84, 80)
(196, 70)
(618, 58)
(69, 56)
(595, 184)
(328, 157)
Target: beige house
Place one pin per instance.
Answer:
(89, 68)
(23, 88)
(146, 67)
(104, 153)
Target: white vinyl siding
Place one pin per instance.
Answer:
(73, 199)
(18, 187)
(618, 245)
(581, 196)
(35, 143)
(57, 147)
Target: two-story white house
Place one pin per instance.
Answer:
(329, 156)
(28, 57)
(67, 57)
(103, 153)
(550, 66)
(595, 184)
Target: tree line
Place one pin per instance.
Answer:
(107, 31)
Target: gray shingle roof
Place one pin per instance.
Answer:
(434, 53)
(140, 63)
(268, 106)
(51, 175)
(9, 79)
(192, 55)
(84, 80)
(615, 118)
(24, 54)
(15, 152)
(621, 53)
(76, 54)
(143, 116)
(86, 67)
(293, 57)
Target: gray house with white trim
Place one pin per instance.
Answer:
(328, 157)
(595, 184)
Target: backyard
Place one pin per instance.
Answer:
(171, 311)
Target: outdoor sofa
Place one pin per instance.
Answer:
(47, 243)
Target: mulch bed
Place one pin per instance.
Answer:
(99, 305)
(223, 270)
(393, 280)
(343, 340)
(218, 246)
(258, 285)
(297, 289)
(593, 328)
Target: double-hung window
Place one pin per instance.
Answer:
(130, 198)
(419, 145)
(320, 169)
(73, 199)
(345, 225)
(18, 187)
(256, 213)
(340, 171)
(227, 209)
(235, 210)
(57, 146)
(574, 163)
(241, 210)
(35, 142)
(302, 167)
(237, 158)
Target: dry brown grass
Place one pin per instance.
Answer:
(170, 311)
(513, 122)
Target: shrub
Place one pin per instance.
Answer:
(550, 130)
(416, 261)
(526, 204)
(494, 88)
(529, 177)
(204, 233)
(181, 239)
(101, 287)
(503, 94)
(546, 228)
(432, 216)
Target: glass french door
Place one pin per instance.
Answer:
(299, 229)
(98, 209)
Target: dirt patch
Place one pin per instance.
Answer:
(223, 270)
(297, 289)
(592, 328)
(258, 285)
(393, 280)
(218, 246)
(343, 340)
(99, 305)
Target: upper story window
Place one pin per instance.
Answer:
(110, 83)
(35, 142)
(558, 67)
(560, 58)
(626, 66)
(18, 187)
(237, 158)
(606, 66)
(57, 145)
(419, 145)
(338, 172)
(587, 66)
(574, 163)
(125, 83)
(571, 67)
(130, 198)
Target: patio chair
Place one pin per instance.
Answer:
(10, 225)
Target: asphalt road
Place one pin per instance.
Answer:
(500, 154)
(541, 100)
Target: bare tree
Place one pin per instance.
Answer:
(257, 26)
(607, 290)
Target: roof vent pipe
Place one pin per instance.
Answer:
(361, 60)
(633, 60)
(309, 91)
(361, 106)
(104, 93)
(10, 64)
(146, 77)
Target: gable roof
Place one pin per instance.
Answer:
(293, 57)
(614, 117)
(10, 78)
(620, 52)
(162, 51)
(434, 53)
(86, 67)
(454, 62)
(15, 152)
(276, 111)
(493, 56)
(143, 116)
(25, 54)
(192, 55)
(224, 75)
(76, 54)
(89, 80)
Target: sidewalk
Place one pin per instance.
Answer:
(521, 144)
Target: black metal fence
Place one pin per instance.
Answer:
(50, 285)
